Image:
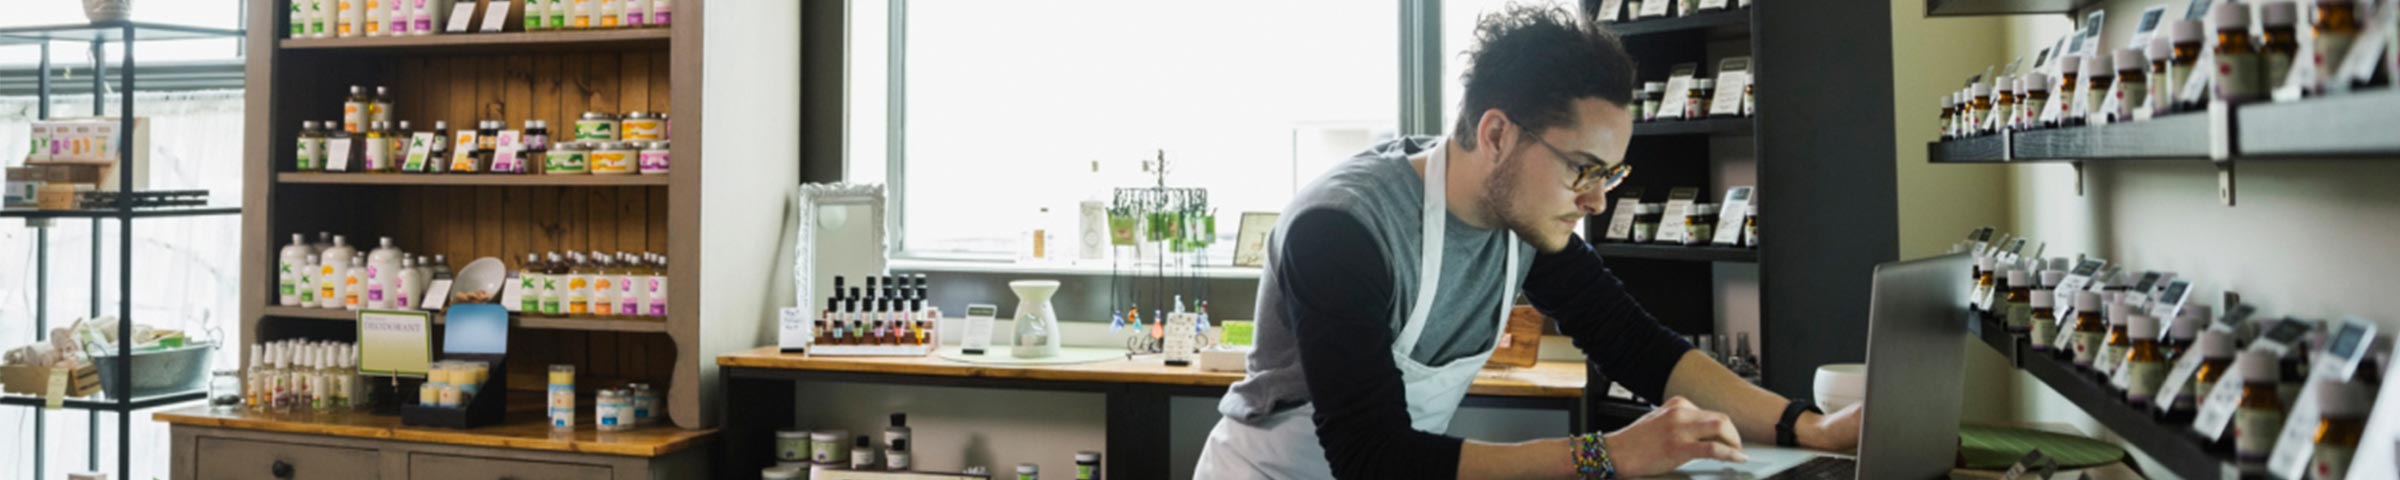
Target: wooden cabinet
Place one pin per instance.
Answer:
(225, 458)
(431, 466)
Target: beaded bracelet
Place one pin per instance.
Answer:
(1591, 458)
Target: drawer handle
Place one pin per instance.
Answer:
(281, 470)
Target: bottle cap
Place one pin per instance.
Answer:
(2044, 300)
(2161, 48)
(1704, 84)
(2196, 314)
(2117, 311)
(2141, 327)
(2185, 31)
(2016, 277)
(1949, 100)
(826, 436)
(862, 442)
(2230, 16)
(2257, 366)
(2214, 344)
(899, 419)
(1028, 469)
(1984, 262)
(2279, 14)
(1983, 89)
(2037, 82)
(2050, 278)
(2087, 301)
(2069, 65)
(2130, 58)
(2339, 399)
(1087, 457)
(1654, 87)
(2099, 64)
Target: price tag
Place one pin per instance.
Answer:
(395, 342)
(437, 296)
(462, 14)
(1733, 76)
(1612, 10)
(1656, 8)
(462, 155)
(978, 335)
(337, 158)
(495, 16)
(57, 395)
(2184, 369)
(2197, 10)
(795, 330)
(419, 146)
(1708, 4)
(2076, 280)
(1620, 226)
(2216, 408)
(2149, 26)
(1679, 202)
(2091, 30)
(1180, 342)
(2148, 281)
(2340, 359)
(2365, 55)
(2196, 88)
(504, 156)
(512, 294)
(1729, 218)
(1679, 88)
(2170, 304)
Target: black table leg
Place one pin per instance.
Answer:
(754, 408)
(1138, 424)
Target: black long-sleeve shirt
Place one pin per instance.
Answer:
(1340, 301)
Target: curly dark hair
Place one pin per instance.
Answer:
(1531, 62)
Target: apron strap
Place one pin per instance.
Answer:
(1429, 257)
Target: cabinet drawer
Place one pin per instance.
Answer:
(426, 466)
(220, 458)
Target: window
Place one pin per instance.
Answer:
(197, 13)
(1005, 107)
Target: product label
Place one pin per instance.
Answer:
(504, 155)
(658, 296)
(2087, 347)
(612, 161)
(654, 161)
(420, 145)
(2238, 77)
(2177, 384)
(579, 293)
(2130, 95)
(2274, 69)
(310, 150)
(462, 152)
(2020, 316)
(2254, 433)
(604, 302)
(2331, 461)
(2106, 361)
(2142, 380)
(2044, 332)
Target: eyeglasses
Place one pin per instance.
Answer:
(1587, 174)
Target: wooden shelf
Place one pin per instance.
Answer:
(520, 432)
(523, 321)
(311, 178)
(1705, 126)
(1676, 252)
(511, 42)
(2170, 444)
(1963, 8)
(1732, 22)
(2353, 125)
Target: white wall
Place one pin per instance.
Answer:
(752, 166)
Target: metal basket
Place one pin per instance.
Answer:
(159, 372)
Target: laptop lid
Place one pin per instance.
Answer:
(1915, 327)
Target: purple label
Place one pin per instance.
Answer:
(424, 24)
(633, 19)
(400, 26)
(654, 161)
(537, 142)
(662, 17)
(658, 307)
(375, 293)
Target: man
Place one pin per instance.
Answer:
(1390, 277)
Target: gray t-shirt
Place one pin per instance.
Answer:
(1382, 190)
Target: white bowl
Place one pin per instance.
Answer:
(1840, 385)
(482, 275)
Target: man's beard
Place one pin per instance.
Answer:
(1500, 202)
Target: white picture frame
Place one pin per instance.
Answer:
(847, 220)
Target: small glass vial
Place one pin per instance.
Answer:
(1749, 90)
(1980, 109)
(862, 454)
(2238, 70)
(2044, 326)
(2342, 409)
(2161, 52)
(2258, 416)
(2100, 73)
(1695, 101)
(1653, 94)
(378, 147)
(896, 457)
(2018, 300)
(2186, 44)
(310, 156)
(1949, 114)
(1645, 221)
(2145, 367)
(562, 397)
(2112, 347)
(2216, 351)
(2336, 29)
(2068, 68)
(2185, 332)
(2133, 82)
(1986, 279)
(2004, 103)
(1750, 228)
(2280, 43)
(1700, 224)
(2090, 329)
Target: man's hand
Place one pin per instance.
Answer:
(1834, 432)
(1674, 433)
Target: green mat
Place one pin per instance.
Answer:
(1996, 448)
(999, 355)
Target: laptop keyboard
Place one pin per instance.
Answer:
(1821, 468)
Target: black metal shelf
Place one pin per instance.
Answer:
(109, 405)
(1676, 252)
(1732, 22)
(122, 214)
(1967, 8)
(1705, 126)
(2351, 125)
(2172, 445)
(1984, 149)
(2180, 136)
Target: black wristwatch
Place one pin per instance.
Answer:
(1785, 436)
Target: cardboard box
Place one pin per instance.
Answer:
(35, 381)
(93, 143)
(23, 187)
(60, 196)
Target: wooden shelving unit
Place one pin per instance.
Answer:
(555, 76)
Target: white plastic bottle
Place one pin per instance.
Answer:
(412, 284)
(636, 14)
(354, 283)
(299, 19)
(422, 16)
(661, 12)
(334, 265)
(321, 14)
(347, 16)
(378, 17)
(306, 280)
(535, 12)
(290, 262)
(383, 274)
(397, 16)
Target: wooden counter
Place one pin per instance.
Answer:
(518, 433)
(1544, 380)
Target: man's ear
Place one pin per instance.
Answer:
(1491, 130)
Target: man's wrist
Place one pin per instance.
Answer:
(1810, 434)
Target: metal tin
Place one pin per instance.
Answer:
(613, 158)
(644, 127)
(569, 158)
(596, 126)
(654, 158)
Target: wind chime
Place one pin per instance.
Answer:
(1161, 236)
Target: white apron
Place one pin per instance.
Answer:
(1284, 445)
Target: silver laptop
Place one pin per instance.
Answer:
(1914, 327)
